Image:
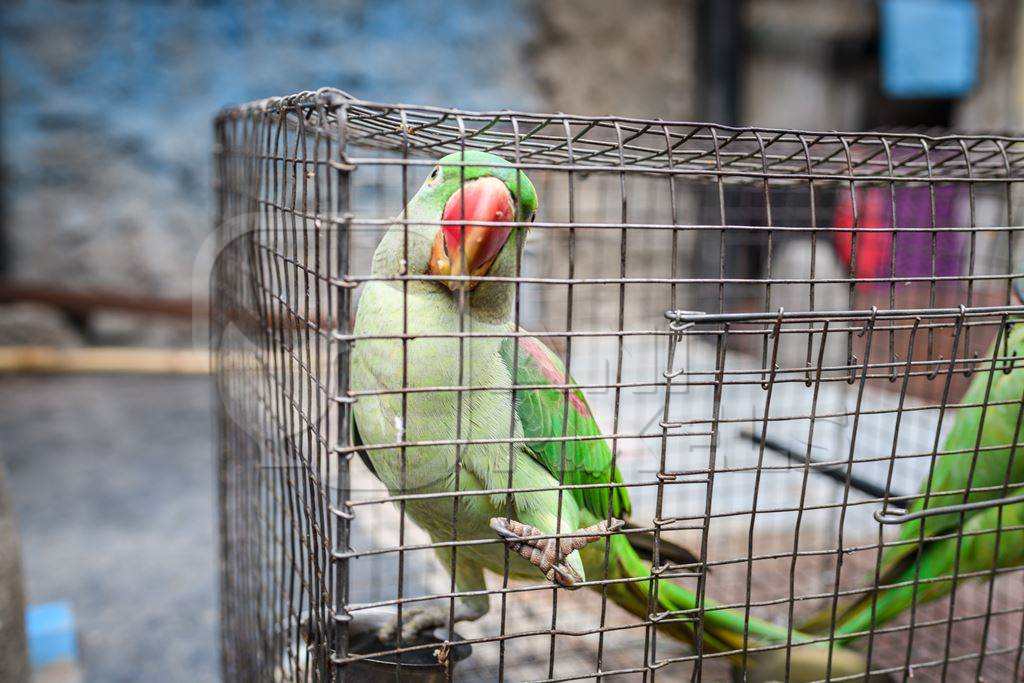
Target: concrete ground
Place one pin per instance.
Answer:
(112, 481)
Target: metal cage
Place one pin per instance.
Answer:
(774, 328)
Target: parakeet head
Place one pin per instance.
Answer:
(470, 199)
(450, 228)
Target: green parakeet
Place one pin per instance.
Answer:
(553, 427)
(979, 456)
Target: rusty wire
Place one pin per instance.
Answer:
(645, 285)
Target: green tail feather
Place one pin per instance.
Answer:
(855, 614)
(722, 628)
(938, 558)
(889, 605)
(892, 602)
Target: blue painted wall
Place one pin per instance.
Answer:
(107, 109)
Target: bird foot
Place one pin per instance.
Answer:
(549, 554)
(415, 622)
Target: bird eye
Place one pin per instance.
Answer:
(533, 216)
(435, 174)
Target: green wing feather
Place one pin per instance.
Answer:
(953, 471)
(543, 414)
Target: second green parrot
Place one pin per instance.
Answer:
(980, 461)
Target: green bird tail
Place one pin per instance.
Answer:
(933, 570)
(936, 561)
(634, 596)
(895, 561)
(722, 629)
(853, 615)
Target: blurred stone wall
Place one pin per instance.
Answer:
(794, 74)
(107, 111)
(606, 57)
(991, 104)
(107, 107)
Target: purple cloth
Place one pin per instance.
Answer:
(914, 249)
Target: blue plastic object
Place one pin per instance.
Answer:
(51, 634)
(929, 48)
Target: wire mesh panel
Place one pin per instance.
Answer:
(509, 396)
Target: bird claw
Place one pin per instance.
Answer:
(415, 622)
(549, 554)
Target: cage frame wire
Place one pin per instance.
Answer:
(885, 515)
(267, 150)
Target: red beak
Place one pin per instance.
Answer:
(467, 245)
